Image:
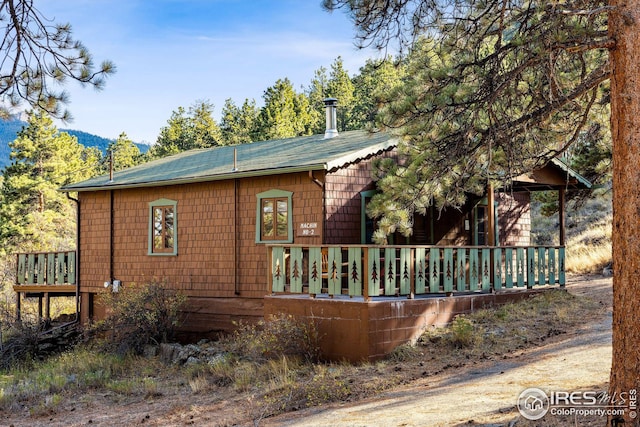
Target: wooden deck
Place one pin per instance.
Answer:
(45, 275)
(47, 269)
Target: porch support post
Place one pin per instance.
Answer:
(561, 214)
(491, 215)
(491, 225)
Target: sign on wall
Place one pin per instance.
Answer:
(307, 229)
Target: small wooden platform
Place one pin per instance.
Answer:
(44, 276)
(51, 289)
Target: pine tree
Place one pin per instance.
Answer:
(468, 111)
(34, 215)
(205, 132)
(125, 153)
(316, 93)
(341, 87)
(623, 21)
(337, 85)
(38, 56)
(374, 79)
(238, 124)
(285, 114)
(187, 130)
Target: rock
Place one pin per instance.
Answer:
(214, 359)
(189, 350)
(150, 351)
(169, 352)
(192, 360)
(190, 354)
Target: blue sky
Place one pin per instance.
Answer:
(172, 53)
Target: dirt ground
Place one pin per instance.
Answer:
(487, 394)
(483, 393)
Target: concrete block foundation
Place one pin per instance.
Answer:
(356, 330)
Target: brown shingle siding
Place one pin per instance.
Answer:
(343, 200)
(204, 266)
(514, 222)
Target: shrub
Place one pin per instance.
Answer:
(462, 332)
(327, 385)
(283, 335)
(140, 315)
(19, 342)
(404, 353)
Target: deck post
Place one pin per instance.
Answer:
(39, 306)
(412, 275)
(47, 306)
(269, 271)
(491, 235)
(18, 317)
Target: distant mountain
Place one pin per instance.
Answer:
(10, 128)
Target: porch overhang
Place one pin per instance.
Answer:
(555, 175)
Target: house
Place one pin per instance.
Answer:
(206, 223)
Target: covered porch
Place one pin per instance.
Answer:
(366, 300)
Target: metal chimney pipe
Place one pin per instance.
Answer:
(331, 105)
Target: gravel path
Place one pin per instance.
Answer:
(485, 395)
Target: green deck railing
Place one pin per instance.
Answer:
(52, 268)
(368, 271)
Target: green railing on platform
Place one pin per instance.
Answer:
(51, 268)
(368, 271)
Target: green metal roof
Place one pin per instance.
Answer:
(255, 159)
(562, 164)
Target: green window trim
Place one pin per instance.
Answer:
(163, 228)
(281, 224)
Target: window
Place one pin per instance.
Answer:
(273, 217)
(162, 227)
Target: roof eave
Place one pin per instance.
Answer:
(191, 180)
(566, 168)
(362, 154)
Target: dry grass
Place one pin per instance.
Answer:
(492, 333)
(590, 251)
(588, 233)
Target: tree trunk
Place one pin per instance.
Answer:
(624, 28)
